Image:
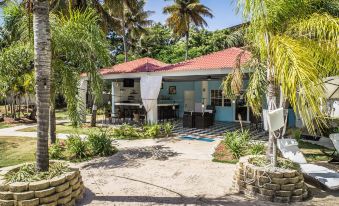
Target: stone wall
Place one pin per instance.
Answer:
(268, 184)
(62, 190)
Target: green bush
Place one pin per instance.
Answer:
(152, 130)
(100, 143)
(76, 147)
(127, 131)
(56, 150)
(237, 142)
(168, 128)
(257, 148)
(297, 134)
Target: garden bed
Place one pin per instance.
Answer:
(269, 183)
(64, 189)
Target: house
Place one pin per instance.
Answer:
(193, 85)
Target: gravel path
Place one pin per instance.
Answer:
(169, 172)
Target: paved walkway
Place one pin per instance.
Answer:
(168, 172)
(323, 141)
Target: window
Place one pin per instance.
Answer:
(218, 99)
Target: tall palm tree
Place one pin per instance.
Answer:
(294, 45)
(42, 64)
(183, 13)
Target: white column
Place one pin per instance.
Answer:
(83, 100)
(113, 98)
(152, 114)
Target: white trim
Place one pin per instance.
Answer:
(201, 72)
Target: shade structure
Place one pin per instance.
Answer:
(150, 88)
(331, 85)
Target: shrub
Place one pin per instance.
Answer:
(76, 147)
(56, 150)
(28, 173)
(297, 134)
(168, 128)
(126, 131)
(257, 148)
(100, 143)
(152, 130)
(237, 142)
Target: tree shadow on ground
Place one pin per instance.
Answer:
(129, 157)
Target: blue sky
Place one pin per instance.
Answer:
(223, 11)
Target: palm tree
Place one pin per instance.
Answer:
(295, 45)
(185, 12)
(42, 64)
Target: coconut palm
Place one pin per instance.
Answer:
(42, 64)
(184, 13)
(295, 43)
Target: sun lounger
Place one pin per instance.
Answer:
(328, 178)
(335, 155)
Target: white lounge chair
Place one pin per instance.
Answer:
(335, 140)
(290, 150)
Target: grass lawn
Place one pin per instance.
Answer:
(65, 129)
(5, 125)
(312, 152)
(16, 150)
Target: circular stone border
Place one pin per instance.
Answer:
(65, 189)
(269, 184)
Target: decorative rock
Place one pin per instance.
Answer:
(298, 192)
(297, 198)
(64, 200)
(6, 196)
(24, 195)
(49, 199)
(45, 193)
(18, 187)
(293, 180)
(276, 174)
(272, 186)
(62, 187)
(51, 204)
(289, 174)
(76, 186)
(32, 202)
(73, 181)
(3, 185)
(264, 197)
(71, 203)
(65, 193)
(282, 193)
(56, 181)
(288, 187)
(7, 202)
(264, 180)
(280, 181)
(70, 175)
(266, 192)
(299, 185)
(40, 185)
(282, 199)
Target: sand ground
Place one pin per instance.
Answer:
(168, 172)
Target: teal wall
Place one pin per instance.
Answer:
(222, 113)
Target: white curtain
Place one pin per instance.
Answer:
(149, 89)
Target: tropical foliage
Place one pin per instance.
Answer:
(296, 43)
(184, 13)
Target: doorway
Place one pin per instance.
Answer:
(241, 110)
(188, 100)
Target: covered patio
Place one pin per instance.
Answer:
(190, 90)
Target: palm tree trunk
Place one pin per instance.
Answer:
(52, 124)
(6, 112)
(187, 38)
(94, 114)
(124, 38)
(42, 64)
(271, 152)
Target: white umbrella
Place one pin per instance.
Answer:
(332, 87)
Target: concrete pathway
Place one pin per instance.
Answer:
(323, 141)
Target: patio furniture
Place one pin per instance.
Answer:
(188, 120)
(203, 120)
(328, 178)
(335, 155)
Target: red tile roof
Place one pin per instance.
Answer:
(224, 59)
(140, 65)
(227, 58)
